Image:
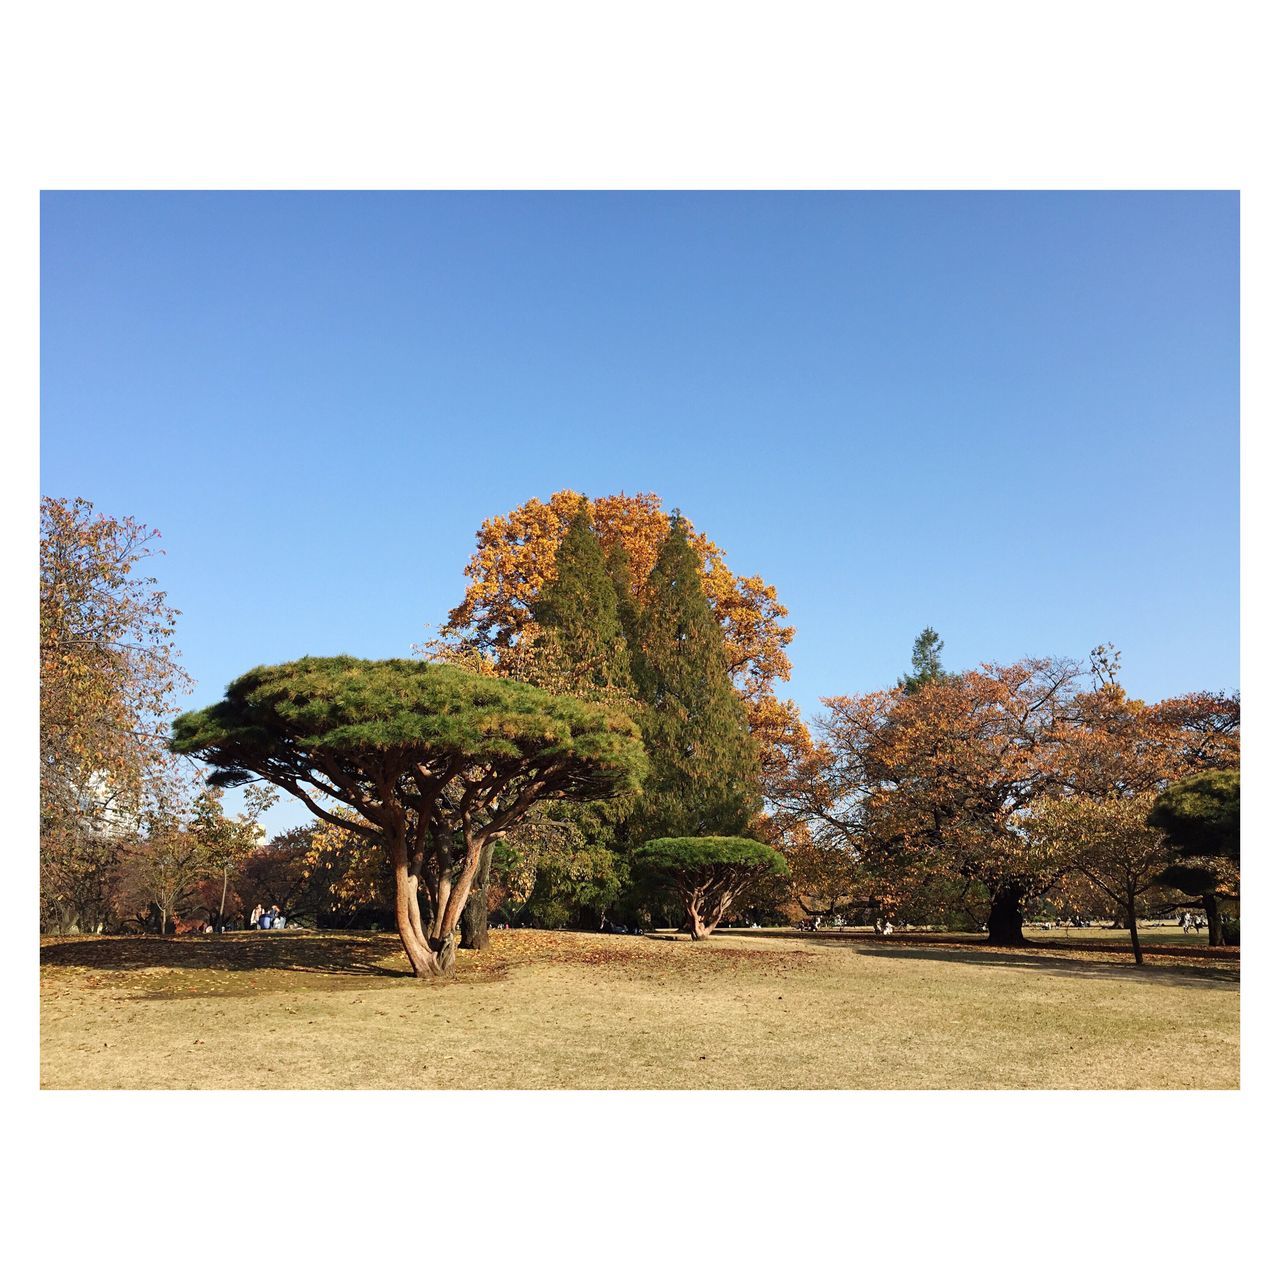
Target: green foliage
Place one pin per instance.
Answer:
(1200, 819)
(677, 858)
(437, 761)
(618, 565)
(1195, 879)
(705, 776)
(567, 887)
(572, 857)
(287, 723)
(580, 646)
(1200, 816)
(926, 661)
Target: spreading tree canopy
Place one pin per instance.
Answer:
(941, 782)
(1108, 853)
(708, 872)
(937, 782)
(435, 762)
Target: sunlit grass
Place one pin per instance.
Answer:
(564, 1010)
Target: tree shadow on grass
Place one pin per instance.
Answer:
(284, 951)
(1179, 975)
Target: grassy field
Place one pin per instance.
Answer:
(744, 1010)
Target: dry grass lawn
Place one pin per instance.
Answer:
(748, 1010)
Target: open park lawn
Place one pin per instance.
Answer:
(539, 1010)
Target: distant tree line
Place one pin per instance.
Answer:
(1034, 785)
(594, 739)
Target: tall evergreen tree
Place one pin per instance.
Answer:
(580, 650)
(704, 772)
(926, 661)
(618, 564)
(581, 645)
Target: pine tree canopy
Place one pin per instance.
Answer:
(346, 724)
(1200, 815)
(679, 858)
(708, 873)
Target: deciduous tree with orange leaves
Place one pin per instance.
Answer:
(515, 557)
(938, 780)
(948, 779)
(495, 627)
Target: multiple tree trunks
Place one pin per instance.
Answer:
(1004, 925)
(700, 928)
(704, 911)
(460, 762)
(432, 946)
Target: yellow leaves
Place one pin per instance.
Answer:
(353, 867)
(108, 673)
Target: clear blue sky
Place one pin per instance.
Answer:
(1013, 417)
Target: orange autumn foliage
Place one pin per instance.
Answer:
(515, 558)
(903, 786)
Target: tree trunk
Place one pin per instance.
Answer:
(1131, 918)
(432, 951)
(703, 915)
(475, 915)
(1213, 918)
(444, 950)
(694, 919)
(1004, 924)
(427, 961)
(222, 905)
(698, 929)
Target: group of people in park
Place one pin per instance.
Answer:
(1189, 920)
(272, 918)
(882, 925)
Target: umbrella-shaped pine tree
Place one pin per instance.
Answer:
(436, 763)
(707, 873)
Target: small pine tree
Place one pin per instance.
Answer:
(926, 661)
(704, 772)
